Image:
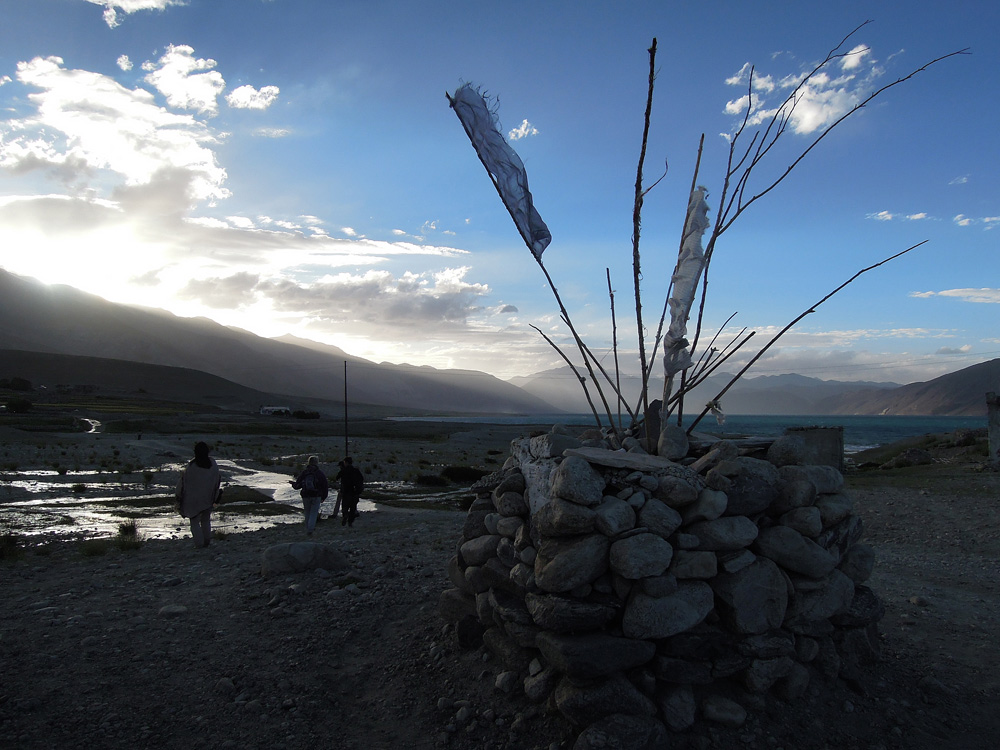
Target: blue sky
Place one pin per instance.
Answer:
(292, 166)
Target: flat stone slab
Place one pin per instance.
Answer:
(621, 459)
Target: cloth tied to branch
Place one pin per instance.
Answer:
(690, 264)
(503, 165)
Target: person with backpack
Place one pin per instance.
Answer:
(314, 488)
(197, 492)
(352, 484)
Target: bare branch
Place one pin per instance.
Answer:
(583, 380)
(614, 345)
(637, 218)
(784, 330)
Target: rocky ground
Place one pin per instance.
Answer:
(169, 646)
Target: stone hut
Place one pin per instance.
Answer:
(632, 593)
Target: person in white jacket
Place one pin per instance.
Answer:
(197, 493)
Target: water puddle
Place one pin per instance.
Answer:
(87, 504)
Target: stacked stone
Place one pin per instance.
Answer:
(629, 590)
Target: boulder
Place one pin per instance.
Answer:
(753, 599)
(562, 564)
(694, 564)
(623, 732)
(659, 518)
(640, 556)
(826, 479)
(576, 480)
(709, 505)
(833, 598)
(582, 704)
(649, 617)
(593, 655)
(564, 614)
(752, 486)
(298, 557)
(477, 551)
(724, 534)
(561, 517)
(806, 521)
(614, 516)
(794, 552)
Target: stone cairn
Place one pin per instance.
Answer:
(637, 595)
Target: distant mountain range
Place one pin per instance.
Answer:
(61, 320)
(64, 320)
(961, 393)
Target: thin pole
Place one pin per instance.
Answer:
(346, 449)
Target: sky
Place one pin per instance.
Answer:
(293, 167)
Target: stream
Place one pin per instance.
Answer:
(41, 503)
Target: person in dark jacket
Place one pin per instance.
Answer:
(197, 493)
(314, 488)
(352, 482)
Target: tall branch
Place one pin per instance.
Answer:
(784, 330)
(637, 221)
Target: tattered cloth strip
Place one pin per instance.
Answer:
(503, 165)
(690, 264)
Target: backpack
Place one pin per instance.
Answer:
(310, 483)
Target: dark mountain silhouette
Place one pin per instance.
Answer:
(961, 393)
(64, 320)
(52, 374)
(769, 394)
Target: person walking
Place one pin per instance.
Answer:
(352, 482)
(314, 488)
(197, 493)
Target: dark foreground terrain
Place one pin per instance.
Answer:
(168, 646)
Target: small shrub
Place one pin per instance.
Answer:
(129, 536)
(218, 534)
(10, 546)
(79, 488)
(95, 547)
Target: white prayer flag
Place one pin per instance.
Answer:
(690, 264)
(503, 165)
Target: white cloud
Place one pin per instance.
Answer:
(985, 295)
(247, 97)
(917, 216)
(522, 131)
(186, 81)
(950, 350)
(882, 216)
(962, 220)
(124, 63)
(87, 126)
(815, 103)
(272, 132)
(855, 58)
(111, 7)
(349, 231)
(960, 180)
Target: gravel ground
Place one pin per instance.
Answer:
(169, 646)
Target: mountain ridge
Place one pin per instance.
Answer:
(65, 320)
